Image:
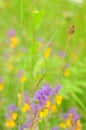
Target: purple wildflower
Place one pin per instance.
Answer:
(11, 32)
(8, 115)
(42, 95)
(27, 124)
(57, 89)
(67, 65)
(20, 73)
(5, 56)
(26, 97)
(54, 128)
(65, 115)
(61, 54)
(73, 111)
(40, 39)
(12, 108)
(76, 116)
(34, 108)
(20, 128)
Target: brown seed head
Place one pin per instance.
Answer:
(71, 30)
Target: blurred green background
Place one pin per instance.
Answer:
(41, 28)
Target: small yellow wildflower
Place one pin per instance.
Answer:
(47, 104)
(67, 73)
(43, 113)
(23, 79)
(14, 42)
(62, 125)
(68, 122)
(46, 111)
(59, 99)
(1, 87)
(26, 107)
(11, 67)
(14, 115)
(54, 108)
(10, 123)
(47, 52)
(78, 125)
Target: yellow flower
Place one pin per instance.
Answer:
(62, 125)
(67, 73)
(14, 42)
(1, 87)
(54, 108)
(43, 113)
(11, 67)
(59, 99)
(68, 122)
(47, 104)
(26, 107)
(78, 125)
(12, 45)
(10, 123)
(23, 79)
(47, 52)
(14, 115)
(46, 112)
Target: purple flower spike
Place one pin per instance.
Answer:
(40, 39)
(26, 97)
(20, 73)
(65, 115)
(8, 115)
(61, 54)
(73, 111)
(54, 128)
(76, 117)
(57, 89)
(20, 128)
(12, 108)
(34, 108)
(5, 56)
(42, 95)
(11, 32)
(27, 124)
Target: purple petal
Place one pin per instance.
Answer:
(11, 32)
(12, 108)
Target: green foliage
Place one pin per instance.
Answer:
(49, 20)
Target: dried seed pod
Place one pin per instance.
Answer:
(71, 30)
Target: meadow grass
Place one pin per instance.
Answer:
(37, 53)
